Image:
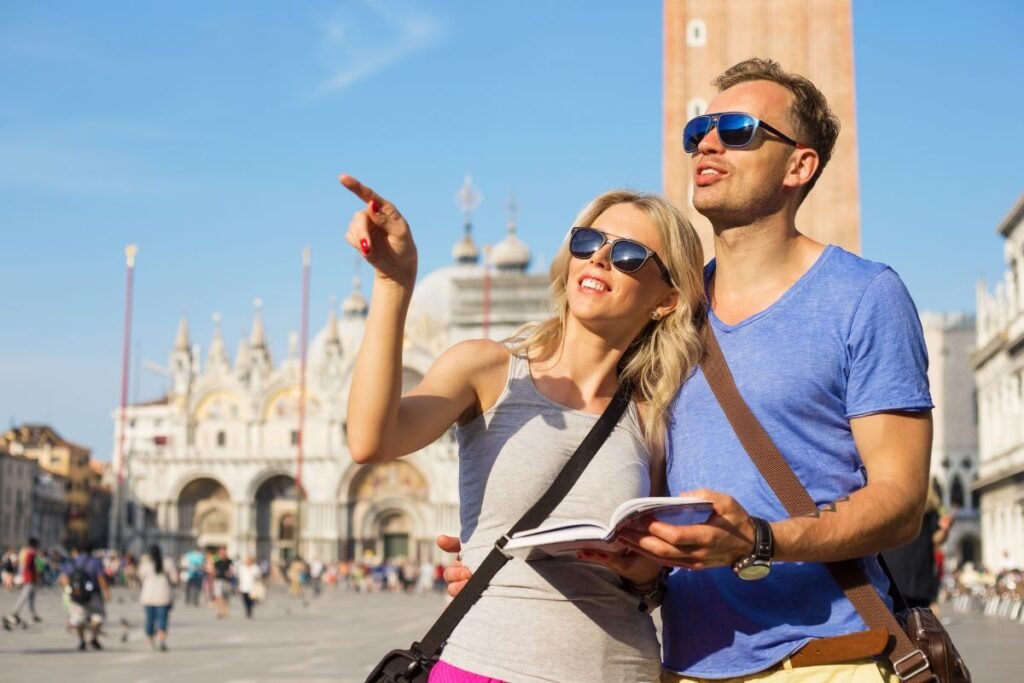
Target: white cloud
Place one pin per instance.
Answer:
(370, 36)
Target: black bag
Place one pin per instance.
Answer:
(413, 665)
(82, 586)
(404, 666)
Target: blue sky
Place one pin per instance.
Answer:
(212, 136)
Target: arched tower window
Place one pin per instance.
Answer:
(956, 494)
(695, 107)
(696, 33)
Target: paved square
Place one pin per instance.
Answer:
(336, 637)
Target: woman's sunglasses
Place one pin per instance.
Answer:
(735, 130)
(626, 255)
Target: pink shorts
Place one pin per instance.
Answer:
(444, 672)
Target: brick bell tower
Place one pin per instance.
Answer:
(813, 38)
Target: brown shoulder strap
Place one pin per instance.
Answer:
(909, 662)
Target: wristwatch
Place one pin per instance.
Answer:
(758, 563)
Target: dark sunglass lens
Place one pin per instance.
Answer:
(628, 256)
(694, 132)
(736, 130)
(585, 242)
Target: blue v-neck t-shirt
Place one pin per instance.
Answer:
(844, 341)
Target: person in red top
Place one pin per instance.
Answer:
(29, 579)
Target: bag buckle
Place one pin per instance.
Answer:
(919, 668)
(500, 544)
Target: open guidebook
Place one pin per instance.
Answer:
(584, 534)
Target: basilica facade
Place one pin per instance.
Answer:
(214, 462)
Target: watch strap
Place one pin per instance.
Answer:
(764, 542)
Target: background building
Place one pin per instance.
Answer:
(17, 479)
(49, 509)
(100, 499)
(954, 461)
(999, 373)
(64, 458)
(213, 462)
(811, 37)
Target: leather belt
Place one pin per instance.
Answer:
(845, 648)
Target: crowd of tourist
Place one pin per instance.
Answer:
(201, 577)
(996, 593)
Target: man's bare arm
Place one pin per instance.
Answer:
(895, 449)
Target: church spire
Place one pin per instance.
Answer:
(467, 198)
(181, 338)
(332, 323)
(258, 338)
(259, 355)
(511, 254)
(181, 361)
(218, 352)
(355, 305)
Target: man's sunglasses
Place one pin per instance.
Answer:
(627, 256)
(736, 130)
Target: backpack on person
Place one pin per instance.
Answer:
(82, 586)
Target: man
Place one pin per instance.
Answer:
(194, 561)
(915, 566)
(827, 350)
(29, 573)
(83, 579)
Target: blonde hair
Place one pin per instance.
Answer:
(667, 350)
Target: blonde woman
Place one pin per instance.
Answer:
(628, 295)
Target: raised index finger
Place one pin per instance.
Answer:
(364, 192)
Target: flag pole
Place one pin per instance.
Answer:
(130, 251)
(303, 343)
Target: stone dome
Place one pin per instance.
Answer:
(511, 253)
(465, 250)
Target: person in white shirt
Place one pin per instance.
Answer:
(158, 581)
(250, 584)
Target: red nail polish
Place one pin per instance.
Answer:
(374, 208)
(365, 246)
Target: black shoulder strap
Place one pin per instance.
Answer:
(438, 634)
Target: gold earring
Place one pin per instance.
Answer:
(655, 315)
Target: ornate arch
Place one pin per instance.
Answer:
(183, 481)
(399, 478)
(381, 509)
(210, 401)
(275, 402)
(262, 477)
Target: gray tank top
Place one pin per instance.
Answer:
(553, 619)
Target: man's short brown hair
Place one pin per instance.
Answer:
(812, 119)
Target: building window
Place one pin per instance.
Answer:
(956, 496)
(695, 107)
(295, 437)
(222, 439)
(696, 33)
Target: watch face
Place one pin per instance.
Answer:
(752, 572)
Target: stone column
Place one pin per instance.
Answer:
(245, 528)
